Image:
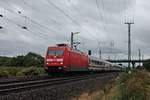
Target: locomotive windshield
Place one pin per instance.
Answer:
(55, 52)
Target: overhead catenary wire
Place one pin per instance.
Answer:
(129, 13)
(20, 26)
(68, 16)
(19, 13)
(25, 17)
(49, 19)
(104, 16)
(43, 25)
(134, 9)
(101, 13)
(82, 38)
(37, 11)
(37, 22)
(25, 27)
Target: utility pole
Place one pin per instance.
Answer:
(142, 57)
(108, 57)
(100, 51)
(100, 54)
(111, 49)
(139, 56)
(129, 41)
(72, 41)
(1, 17)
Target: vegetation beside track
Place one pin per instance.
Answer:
(129, 85)
(30, 59)
(22, 65)
(21, 71)
(146, 65)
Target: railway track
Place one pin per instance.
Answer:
(13, 87)
(22, 79)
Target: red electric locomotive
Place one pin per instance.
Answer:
(63, 58)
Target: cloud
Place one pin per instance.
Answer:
(51, 22)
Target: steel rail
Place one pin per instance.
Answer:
(21, 79)
(18, 87)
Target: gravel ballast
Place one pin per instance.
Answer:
(61, 92)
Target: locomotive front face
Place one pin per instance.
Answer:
(55, 59)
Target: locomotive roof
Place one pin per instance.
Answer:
(66, 46)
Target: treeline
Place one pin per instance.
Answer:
(30, 59)
(146, 65)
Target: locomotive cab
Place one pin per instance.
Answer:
(55, 59)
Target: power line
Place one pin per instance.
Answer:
(56, 8)
(105, 19)
(36, 23)
(63, 12)
(43, 25)
(134, 9)
(80, 25)
(67, 15)
(41, 35)
(130, 10)
(35, 9)
(27, 18)
(100, 14)
(22, 15)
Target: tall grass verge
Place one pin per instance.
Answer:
(21, 71)
(130, 85)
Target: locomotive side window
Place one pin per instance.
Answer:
(55, 52)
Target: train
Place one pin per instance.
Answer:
(62, 58)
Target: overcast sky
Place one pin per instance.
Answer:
(100, 23)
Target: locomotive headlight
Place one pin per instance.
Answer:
(61, 63)
(49, 60)
(47, 63)
(59, 60)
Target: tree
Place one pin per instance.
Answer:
(146, 65)
(31, 59)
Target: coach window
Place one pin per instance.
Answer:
(100, 63)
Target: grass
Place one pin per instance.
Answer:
(21, 71)
(130, 85)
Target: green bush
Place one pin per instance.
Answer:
(30, 59)
(134, 86)
(31, 71)
(4, 73)
(21, 71)
(146, 65)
